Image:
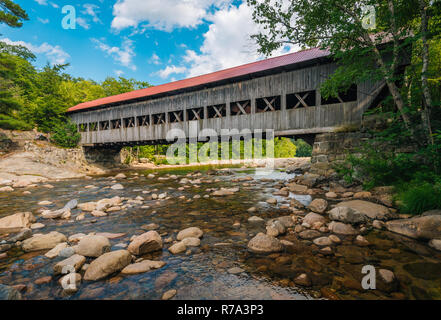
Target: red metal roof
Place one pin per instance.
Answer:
(258, 66)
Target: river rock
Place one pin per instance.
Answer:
(61, 213)
(76, 261)
(275, 228)
(24, 234)
(72, 204)
(322, 241)
(303, 280)
(66, 252)
(191, 242)
(387, 275)
(87, 206)
(263, 243)
(297, 188)
(271, 201)
(120, 176)
(107, 264)
(341, 228)
(169, 294)
(56, 250)
(44, 241)
(309, 234)
(6, 189)
(425, 228)
(70, 283)
(347, 215)
(9, 293)
(361, 241)
(436, 244)
(312, 218)
(178, 247)
(117, 186)
(331, 195)
(369, 209)
(145, 243)
(255, 219)
(16, 222)
(92, 246)
(192, 232)
(143, 266)
(286, 221)
(318, 205)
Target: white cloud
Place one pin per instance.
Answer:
(42, 2)
(227, 42)
(55, 54)
(54, 5)
(123, 55)
(155, 59)
(83, 23)
(119, 73)
(165, 73)
(43, 21)
(162, 14)
(92, 10)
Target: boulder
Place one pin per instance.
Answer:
(255, 219)
(92, 246)
(143, 266)
(16, 222)
(43, 241)
(303, 280)
(341, 228)
(347, 215)
(318, 205)
(275, 228)
(72, 204)
(263, 243)
(107, 264)
(24, 234)
(76, 261)
(425, 228)
(145, 243)
(117, 186)
(312, 218)
(369, 209)
(169, 294)
(192, 232)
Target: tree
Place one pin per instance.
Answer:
(12, 14)
(114, 86)
(339, 26)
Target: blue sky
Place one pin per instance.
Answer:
(151, 40)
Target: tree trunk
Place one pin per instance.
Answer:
(427, 105)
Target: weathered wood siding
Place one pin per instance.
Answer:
(311, 119)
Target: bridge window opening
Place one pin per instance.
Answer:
(300, 100)
(82, 127)
(240, 107)
(268, 104)
(195, 114)
(143, 121)
(159, 118)
(115, 124)
(176, 116)
(93, 126)
(104, 125)
(129, 122)
(219, 111)
(342, 97)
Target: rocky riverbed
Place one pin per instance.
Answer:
(212, 233)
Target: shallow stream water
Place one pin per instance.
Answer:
(203, 272)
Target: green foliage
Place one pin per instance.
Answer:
(284, 148)
(303, 149)
(65, 135)
(418, 197)
(10, 123)
(12, 14)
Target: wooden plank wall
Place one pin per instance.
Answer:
(313, 119)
